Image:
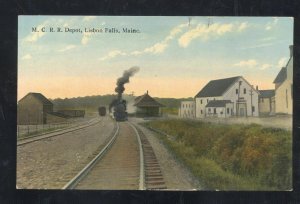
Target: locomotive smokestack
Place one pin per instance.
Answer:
(125, 79)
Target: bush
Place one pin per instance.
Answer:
(232, 156)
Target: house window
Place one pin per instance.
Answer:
(227, 110)
(208, 109)
(244, 90)
(253, 109)
(214, 99)
(237, 91)
(201, 101)
(207, 100)
(201, 111)
(215, 111)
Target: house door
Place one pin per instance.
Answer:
(242, 112)
(242, 109)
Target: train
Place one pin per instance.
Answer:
(102, 110)
(119, 110)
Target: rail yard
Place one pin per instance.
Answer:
(100, 154)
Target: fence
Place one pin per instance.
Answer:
(25, 130)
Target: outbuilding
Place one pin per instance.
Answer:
(33, 109)
(219, 108)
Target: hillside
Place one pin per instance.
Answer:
(91, 103)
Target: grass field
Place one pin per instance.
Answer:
(231, 157)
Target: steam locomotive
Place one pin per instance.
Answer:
(119, 110)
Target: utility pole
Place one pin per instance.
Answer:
(237, 105)
(251, 94)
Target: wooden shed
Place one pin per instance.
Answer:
(33, 109)
(146, 106)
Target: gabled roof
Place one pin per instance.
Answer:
(40, 97)
(266, 93)
(281, 76)
(217, 87)
(218, 103)
(146, 101)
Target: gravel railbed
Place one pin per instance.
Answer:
(50, 163)
(176, 175)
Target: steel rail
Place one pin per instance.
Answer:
(142, 165)
(73, 182)
(54, 133)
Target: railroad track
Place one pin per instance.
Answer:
(56, 133)
(126, 162)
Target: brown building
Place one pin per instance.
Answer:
(146, 106)
(33, 109)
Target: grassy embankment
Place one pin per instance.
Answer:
(231, 157)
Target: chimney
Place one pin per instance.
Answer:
(291, 50)
(256, 88)
(147, 92)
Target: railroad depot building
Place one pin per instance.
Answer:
(227, 97)
(146, 106)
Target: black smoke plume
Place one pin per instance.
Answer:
(125, 79)
(120, 84)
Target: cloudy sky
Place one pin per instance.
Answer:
(177, 56)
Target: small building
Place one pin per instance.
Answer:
(234, 94)
(187, 109)
(284, 87)
(219, 109)
(266, 102)
(146, 106)
(33, 109)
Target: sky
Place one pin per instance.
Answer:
(177, 56)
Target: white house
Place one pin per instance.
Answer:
(232, 97)
(187, 109)
(284, 87)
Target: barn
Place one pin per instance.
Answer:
(146, 106)
(33, 109)
(233, 96)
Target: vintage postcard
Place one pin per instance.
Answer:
(155, 103)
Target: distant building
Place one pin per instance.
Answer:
(227, 97)
(33, 109)
(284, 87)
(187, 109)
(55, 117)
(266, 102)
(146, 106)
(72, 113)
